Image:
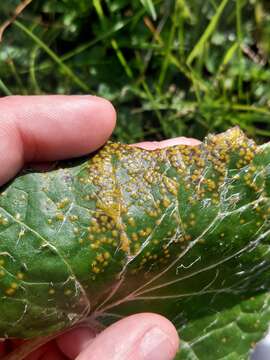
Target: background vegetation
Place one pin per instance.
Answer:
(183, 67)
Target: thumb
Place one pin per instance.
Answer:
(137, 337)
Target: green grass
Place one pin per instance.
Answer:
(171, 68)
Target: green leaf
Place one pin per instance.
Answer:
(182, 231)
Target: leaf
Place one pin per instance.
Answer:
(182, 231)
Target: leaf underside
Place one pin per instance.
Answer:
(181, 231)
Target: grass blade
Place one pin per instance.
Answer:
(198, 48)
(54, 56)
(150, 8)
(4, 88)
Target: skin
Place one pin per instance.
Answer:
(40, 129)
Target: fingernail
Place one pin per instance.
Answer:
(156, 345)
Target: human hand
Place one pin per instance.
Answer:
(46, 128)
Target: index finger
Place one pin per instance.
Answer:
(46, 128)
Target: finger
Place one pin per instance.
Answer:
(2, 348)
(137, 337)
(53, 354)
(49, 351)
(44, 349)
(153, 145)
(75, 341)
(46, 128)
